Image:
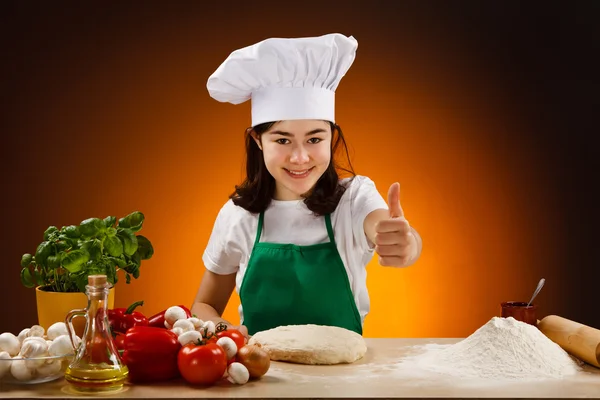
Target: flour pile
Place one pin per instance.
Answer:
(502, 349)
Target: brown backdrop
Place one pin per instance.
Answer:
(479, 111)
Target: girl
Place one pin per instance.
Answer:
(295, 237)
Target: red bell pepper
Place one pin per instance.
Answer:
(151, 354)
(158, 320)
(121, 319)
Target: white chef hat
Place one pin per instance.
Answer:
(285, 78)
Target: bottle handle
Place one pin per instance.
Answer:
(69, 322)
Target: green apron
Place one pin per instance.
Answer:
(287, 284)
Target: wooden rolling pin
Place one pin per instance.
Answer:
(576, 339)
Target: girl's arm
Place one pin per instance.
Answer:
(213, 296)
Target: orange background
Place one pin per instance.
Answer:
(110, 114)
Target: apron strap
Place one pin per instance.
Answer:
(259, 228)
(329, 228)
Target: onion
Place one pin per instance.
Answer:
(255, 359)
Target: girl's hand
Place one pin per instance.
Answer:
(395, 242)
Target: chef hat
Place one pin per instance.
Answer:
(285, 78)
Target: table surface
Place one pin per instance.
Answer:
(374, 376)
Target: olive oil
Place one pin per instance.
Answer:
(97, 365)
(96, 378)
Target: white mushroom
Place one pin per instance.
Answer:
(33, 339)
(10, 343)
(50, 367)
(174, 313)
(237, 373)
(177, 331)
(36, 330)
(23, 334)
(62, 346)
(34, 349)
(197, 322)
(57, 329)
(228, 345)
(189, 337)
(4, 365)
(208, 328)
(19, 370)
(184, 324)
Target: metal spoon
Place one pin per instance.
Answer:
(537, 290)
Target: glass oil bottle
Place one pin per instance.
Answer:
(97, 365)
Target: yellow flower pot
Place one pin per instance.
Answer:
(54, 306)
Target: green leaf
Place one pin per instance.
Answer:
(121, 263)
(72, 232)
(133, 221)
(145, 249)
(26, 278)
(111, 232)
(62, 245)
(43, 251)
(26, 260)
(113, 245)
(93, 247)
(91, 227)
(130, 243)
(111, 273)
(81, 281)
(39, 275)
(74, 260)
(53, 262)
(127, 278)
(94, 268)
(136, 272)
(109, 221)
(49, 231)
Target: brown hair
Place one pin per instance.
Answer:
(257, 189)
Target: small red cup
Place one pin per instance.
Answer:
(520, 311)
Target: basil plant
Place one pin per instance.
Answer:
(65, 258)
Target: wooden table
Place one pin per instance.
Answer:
(375, 376)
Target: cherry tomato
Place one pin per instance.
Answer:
(235, 335)
(202, 364)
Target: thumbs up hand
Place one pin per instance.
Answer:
(395, 242)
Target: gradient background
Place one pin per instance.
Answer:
(480, 110)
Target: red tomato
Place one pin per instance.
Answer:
(202, 364)
(234, 334)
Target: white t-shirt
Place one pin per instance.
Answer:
(234, 232)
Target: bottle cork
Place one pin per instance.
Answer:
(97, 280)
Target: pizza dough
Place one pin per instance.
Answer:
(311, 344)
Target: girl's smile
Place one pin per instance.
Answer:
(299, 174)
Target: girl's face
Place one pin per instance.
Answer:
(296, 154)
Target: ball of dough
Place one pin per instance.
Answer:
(311, 344)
